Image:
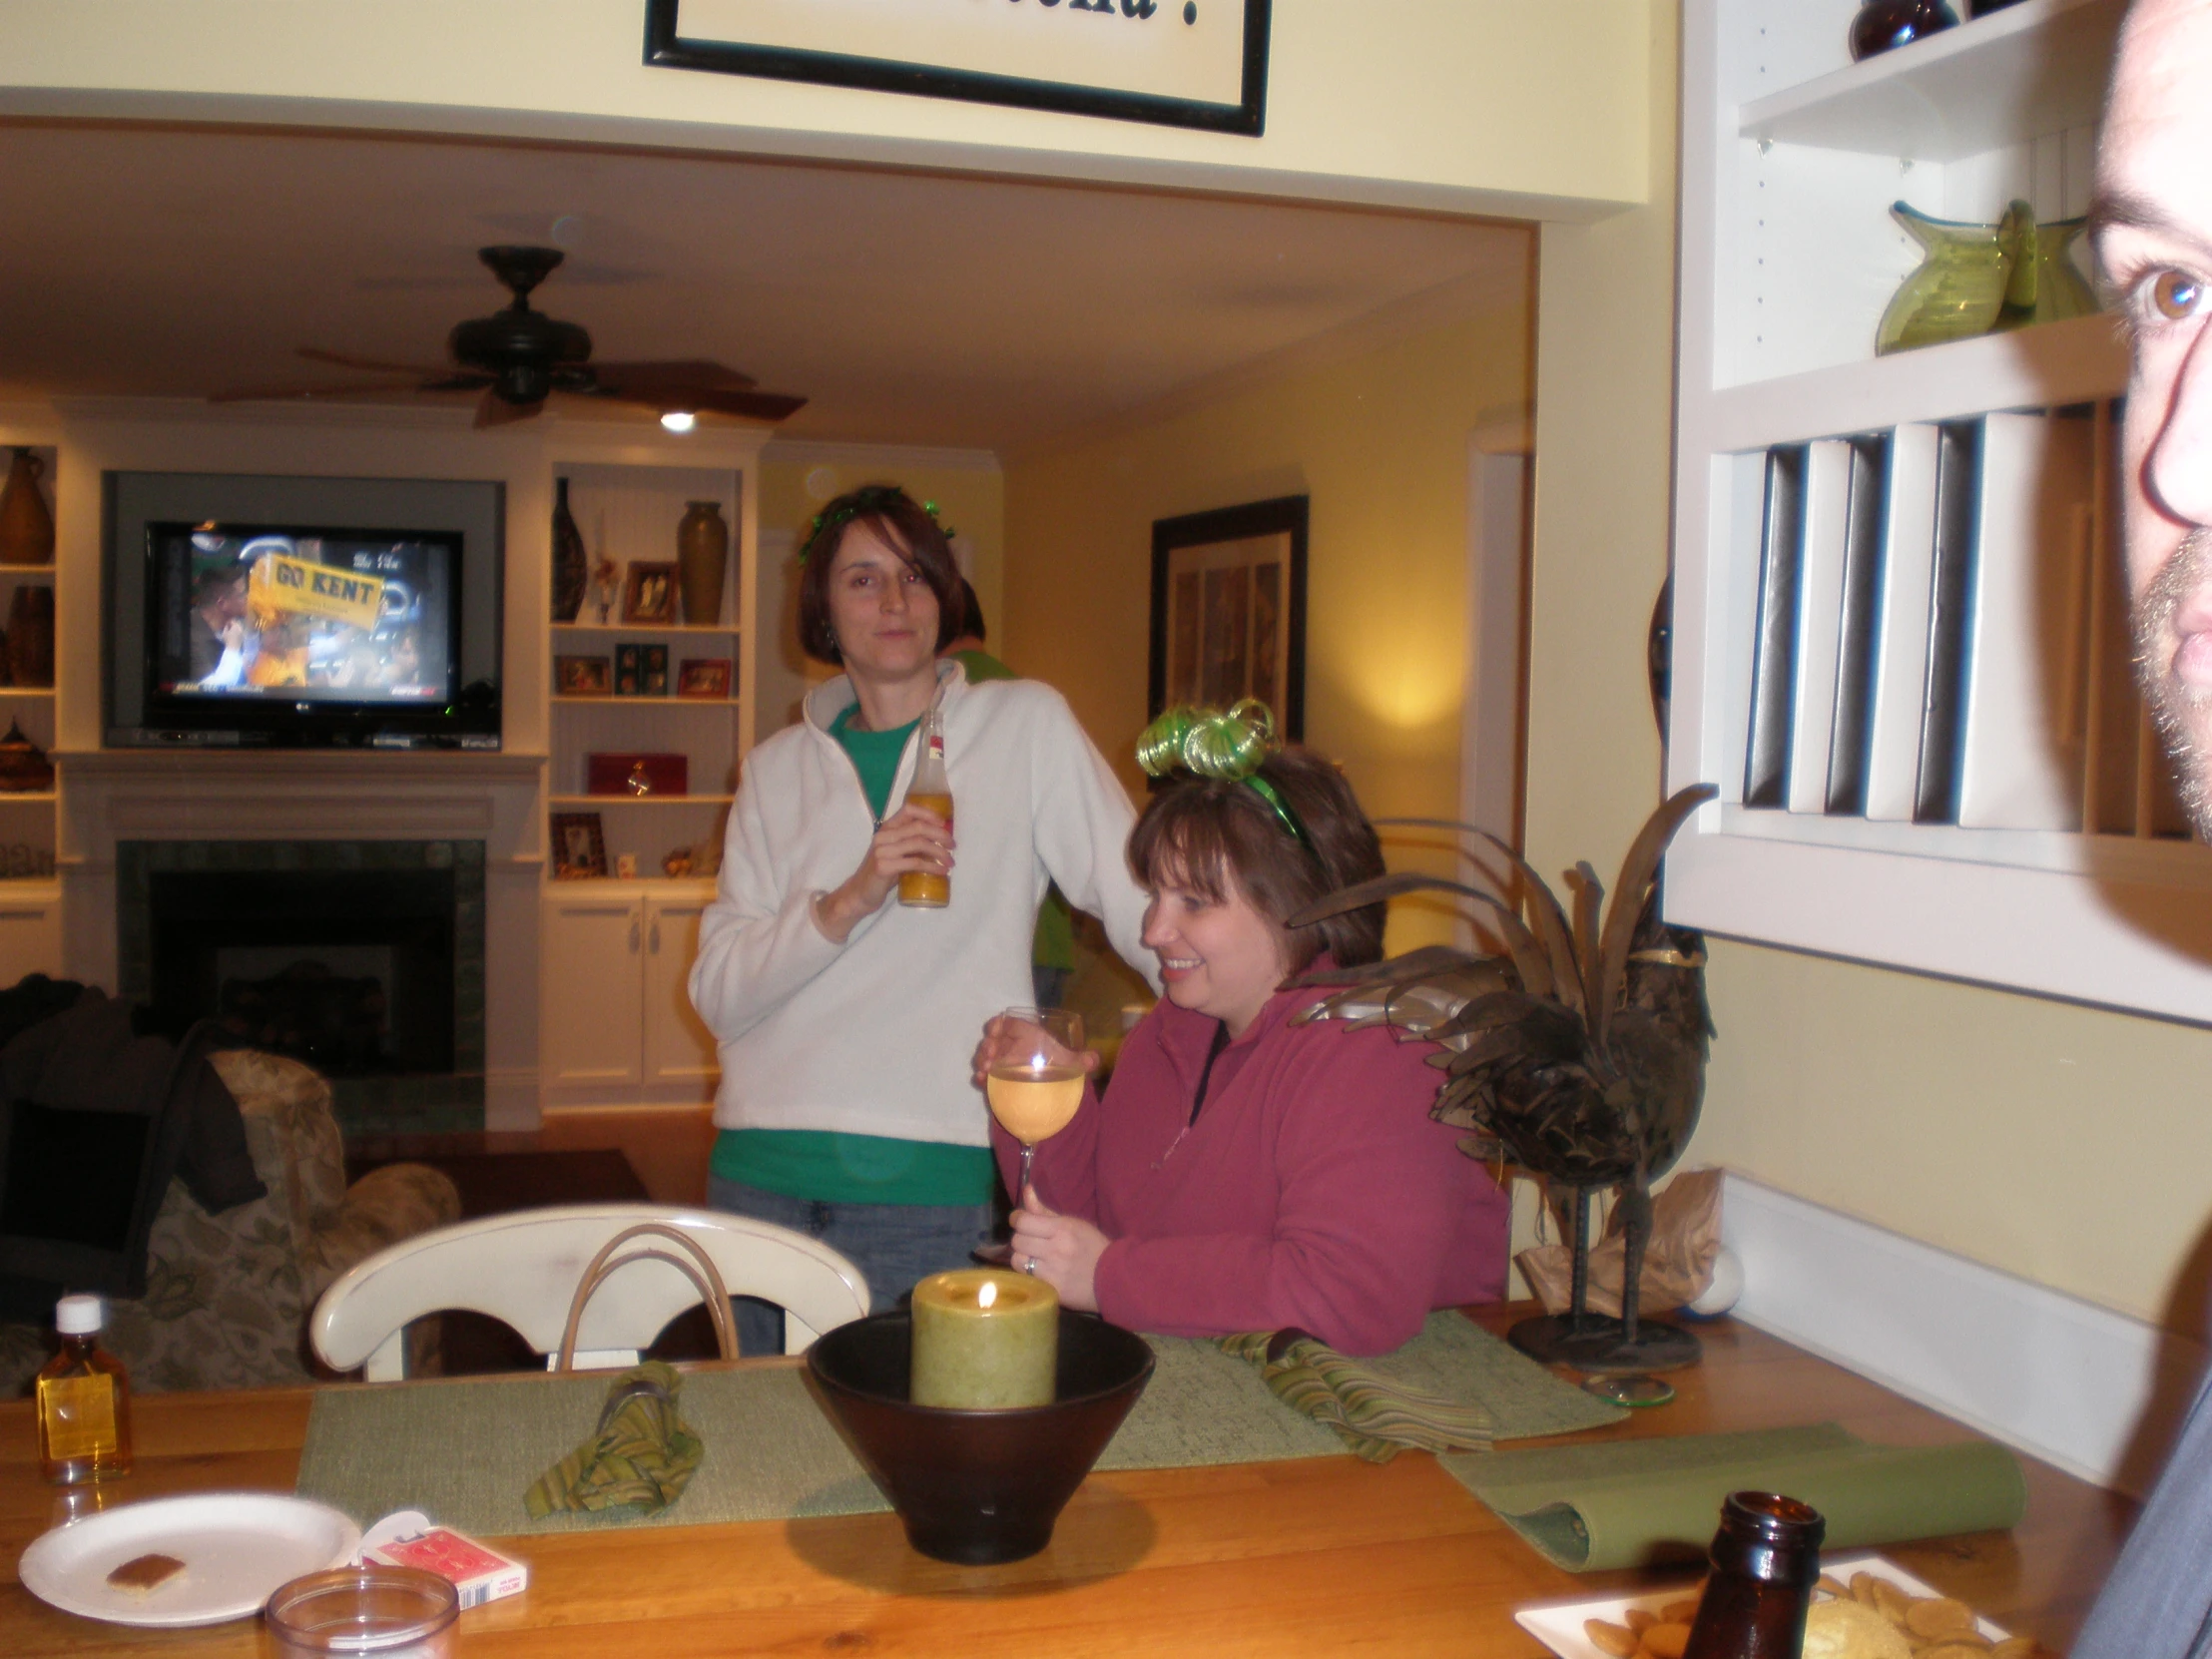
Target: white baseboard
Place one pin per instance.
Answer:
(2095, 1393)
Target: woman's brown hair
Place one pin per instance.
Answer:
(908, 529)
(1204, 831)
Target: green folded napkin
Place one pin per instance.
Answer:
(641, 1457)
(1629, 1504)
(1377, 1417)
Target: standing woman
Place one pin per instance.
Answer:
(845, 1020)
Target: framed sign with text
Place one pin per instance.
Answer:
(1179, 63)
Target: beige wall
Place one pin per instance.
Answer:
(970, 498)
(1496, 107)
(2070, 1146)
(1378, 438)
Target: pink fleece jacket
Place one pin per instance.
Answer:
(1314, 1190)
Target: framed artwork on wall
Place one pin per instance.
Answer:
(1229, 609)
(1172, 61)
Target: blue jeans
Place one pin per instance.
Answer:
(893, 1246)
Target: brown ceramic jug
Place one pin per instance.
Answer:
(701, 559)
(26, 525)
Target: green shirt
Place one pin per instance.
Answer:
(826, 1165)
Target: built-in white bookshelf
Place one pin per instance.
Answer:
(1900, 643)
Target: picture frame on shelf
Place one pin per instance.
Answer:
(648, 592)
(579, 847)
(582, 676)
(641, 669)
(707, 677)
(1229, 609)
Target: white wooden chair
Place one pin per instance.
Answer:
(523, 1268)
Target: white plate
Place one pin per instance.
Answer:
(1558, 1624)
(237, 1548)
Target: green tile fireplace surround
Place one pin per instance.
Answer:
(423, 902)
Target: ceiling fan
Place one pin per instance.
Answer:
(516, 357)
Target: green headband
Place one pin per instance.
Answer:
(869, 498)
(1227, 744)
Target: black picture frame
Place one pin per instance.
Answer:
(666, 49)
(579, 847)
(1176, 545)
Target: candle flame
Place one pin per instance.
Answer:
(988, 1294)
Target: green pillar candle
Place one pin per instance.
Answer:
(984, 1338)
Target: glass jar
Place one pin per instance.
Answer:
(372, 1612)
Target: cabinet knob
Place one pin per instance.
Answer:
(632, 935)
(654, 937)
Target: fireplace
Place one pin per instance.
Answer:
(364, 958)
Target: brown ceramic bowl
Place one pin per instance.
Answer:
(978, 1486)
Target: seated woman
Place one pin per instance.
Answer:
(1243, 1173)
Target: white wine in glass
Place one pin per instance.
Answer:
(1033, 1080)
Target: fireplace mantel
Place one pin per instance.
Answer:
(112, 795)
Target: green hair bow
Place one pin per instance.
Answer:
(1229, 744)
(868, 499)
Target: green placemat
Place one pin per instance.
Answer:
(464, 1453)
(1631, 1503)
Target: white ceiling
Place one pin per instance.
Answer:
(911, 309)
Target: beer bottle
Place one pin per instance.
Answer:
(84, 1400)
(929, 888)
(1766, 1559)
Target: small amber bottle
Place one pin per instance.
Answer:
(1766, 1558)
(84, 1400)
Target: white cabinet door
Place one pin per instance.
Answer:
(678, 1047)
(594, 990)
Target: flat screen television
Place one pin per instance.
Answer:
(285, 626)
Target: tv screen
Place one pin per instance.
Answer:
(298, 614)
(289, 611)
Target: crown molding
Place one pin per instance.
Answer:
(825, 452)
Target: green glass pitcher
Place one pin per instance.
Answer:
(1982, 279)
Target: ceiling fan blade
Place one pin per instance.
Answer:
(494, 410)
(341, 359)
(653, 380)
(746, 405)
(286, 394)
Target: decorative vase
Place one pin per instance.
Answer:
(701, 559)
(24, 768)
(571, 569)
(31, 636)
(1884, 25)
(1980, 278)
(26, 526)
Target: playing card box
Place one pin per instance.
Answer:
(481, 1574)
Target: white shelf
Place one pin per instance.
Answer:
(2074, 361)
(26, 570)
(730, 631)
(651, 701)
(2032, 69)
(32, 798)
(639, 800)
(26, 690)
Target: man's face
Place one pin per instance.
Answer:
(2154, 240)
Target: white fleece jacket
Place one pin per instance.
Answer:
(874, 1036)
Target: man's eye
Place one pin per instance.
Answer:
(2176, 295)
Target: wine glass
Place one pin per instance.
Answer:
(1033, 1078)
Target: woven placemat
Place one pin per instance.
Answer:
(464, 1453)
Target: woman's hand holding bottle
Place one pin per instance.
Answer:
(911, 838)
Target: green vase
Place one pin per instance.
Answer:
(1976, 278)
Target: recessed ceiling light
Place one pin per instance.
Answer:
(678, 420)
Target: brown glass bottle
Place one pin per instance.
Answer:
(1766, 1559)
(84, 1401)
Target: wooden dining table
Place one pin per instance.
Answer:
(1324, 1555)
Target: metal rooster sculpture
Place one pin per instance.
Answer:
(1578, 1054)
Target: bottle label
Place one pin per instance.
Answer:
(78, 1413)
